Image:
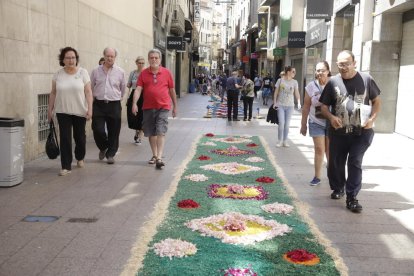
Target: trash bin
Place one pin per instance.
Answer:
(191, 87)
(11, 151)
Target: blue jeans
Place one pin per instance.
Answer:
(284, 114)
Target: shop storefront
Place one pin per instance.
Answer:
(315, 47)
(405, 94)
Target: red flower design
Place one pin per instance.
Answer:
(188, 204)
(209, 134)
(300, 255)
(203, 157)
(252, 145)
(265, 179)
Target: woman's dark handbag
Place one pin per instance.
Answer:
(52, 146)
(272, 115)
(318, 112)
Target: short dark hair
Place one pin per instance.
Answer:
(63, 52)
(101, 59)
(247, 76)
(349, 53)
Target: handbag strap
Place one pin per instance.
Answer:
(52, 129)
(316, 84)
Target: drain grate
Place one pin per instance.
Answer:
(82, 220)
(40, 218)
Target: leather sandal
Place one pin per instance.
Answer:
(152, 160)
(159, 164)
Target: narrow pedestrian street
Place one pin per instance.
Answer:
(102, 209)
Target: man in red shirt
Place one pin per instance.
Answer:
(157, 84)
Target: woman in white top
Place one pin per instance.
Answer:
(71, 100)
(285, 92)
(317, 125)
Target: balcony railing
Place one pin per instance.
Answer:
(177, 21)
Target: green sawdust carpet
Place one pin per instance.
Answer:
(232, 215)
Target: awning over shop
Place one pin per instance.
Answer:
(235, 44)
(203, 64)
(188, 24)
(269, 2)
(252, 29)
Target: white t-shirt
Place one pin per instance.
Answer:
(314, 91)
(70, 92)
(285, 97)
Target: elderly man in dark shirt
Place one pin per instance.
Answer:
(233, 87)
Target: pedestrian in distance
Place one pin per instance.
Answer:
(223, 86)
(351, 103)
(248, 97)
(286, 89)
(318, 129)
(108, 87)
(135, 121)
(71, 100)
(233, 87)
(257, 84)
(157, 86)
(266, 88)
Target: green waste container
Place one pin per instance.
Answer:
(11, 151)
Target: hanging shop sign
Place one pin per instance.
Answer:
(176, 43)
(279, 52)
(197, 11)
(254, 56)
(316, 34)
(262, 40)
(319, 9)
(296, 39)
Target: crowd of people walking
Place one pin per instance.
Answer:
(338, 112)
(77, 97)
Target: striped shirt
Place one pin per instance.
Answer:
(108, 86)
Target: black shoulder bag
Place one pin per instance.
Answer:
(52, 146)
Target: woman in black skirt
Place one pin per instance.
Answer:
(135, 121)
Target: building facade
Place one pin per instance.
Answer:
(33, 31)
(31, 34)
(380, 34)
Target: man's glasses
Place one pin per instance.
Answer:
(139, 62)
(155, 77)
(343, 64)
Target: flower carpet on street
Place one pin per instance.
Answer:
(219, 110)
(231, 213)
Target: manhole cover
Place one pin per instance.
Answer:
(40, 218)
(82, 220)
